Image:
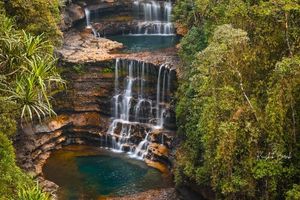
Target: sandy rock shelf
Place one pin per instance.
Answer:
(84, 47)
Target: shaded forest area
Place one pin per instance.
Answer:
(239, 98)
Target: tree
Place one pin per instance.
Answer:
(37, 17)
(11, 177)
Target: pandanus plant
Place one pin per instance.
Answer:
(29, 73)
(32, 193)
(33, 89)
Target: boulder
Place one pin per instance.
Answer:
(72, 13)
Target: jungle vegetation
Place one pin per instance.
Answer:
(238, 102)
(239, 98)
(28, 80)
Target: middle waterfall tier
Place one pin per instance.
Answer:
(140, 105)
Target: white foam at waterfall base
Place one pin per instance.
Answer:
(127, 114)
(138, 153)
(155, 28)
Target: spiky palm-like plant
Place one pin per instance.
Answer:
(32, 193)
(29, 73)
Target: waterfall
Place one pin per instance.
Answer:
(138, 153)
(158, 114)
(88, 22)
(87, 17)
(116, 96)
(164, 86)
(155, 17)
(169, 82)
(127, 96)
(134, 103)
(167, 11)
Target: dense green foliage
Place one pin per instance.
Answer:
(239, 99)
(11, 176)
(14, 183)
(36, 17)
(32, 193)
(28, 79)
(29, 75)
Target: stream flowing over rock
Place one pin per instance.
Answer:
(138, 110)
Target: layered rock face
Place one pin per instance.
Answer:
(74, 11)
(83, 112)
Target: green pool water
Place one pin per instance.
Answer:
(136, 43)
(92, 173)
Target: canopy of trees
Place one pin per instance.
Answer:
(239, 97)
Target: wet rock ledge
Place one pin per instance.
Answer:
(74, 12)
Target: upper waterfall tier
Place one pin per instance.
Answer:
(153, 10)
(136, 17)
(155, 16)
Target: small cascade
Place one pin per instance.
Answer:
(155, 18)
(169, 83)
(141, 149)
(88, 22)
(117, 95)
(87, 17)
(158, 113)
(137, 108)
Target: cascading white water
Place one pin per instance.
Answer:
(87, 17)
(134, 109)
(140, 150)
(116, 97)
(155, 16)
(169, 82)
(127, 96)
(167, 11)
(88, 22)
(158, 113)
(164, 85)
